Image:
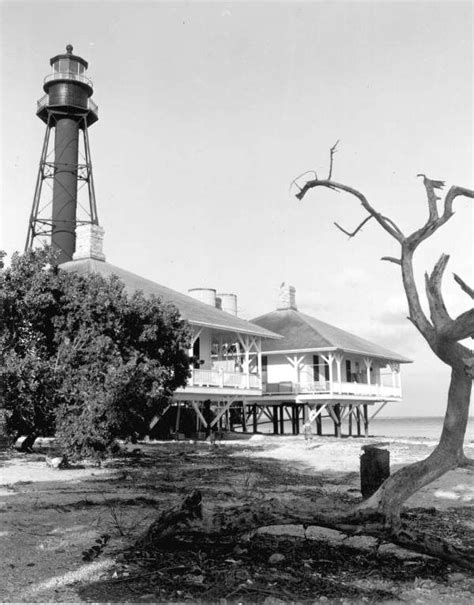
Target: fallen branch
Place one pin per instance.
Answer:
(192, 522)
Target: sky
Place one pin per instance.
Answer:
(209, 110)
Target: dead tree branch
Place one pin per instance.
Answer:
(439, 314)
(332, 151)
(469, 291)
(352, 233)
(392, 259)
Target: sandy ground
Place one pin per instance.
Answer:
(49, 517)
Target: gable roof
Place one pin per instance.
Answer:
(302, 332)
(192, 310)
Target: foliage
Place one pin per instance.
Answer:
(82, 356)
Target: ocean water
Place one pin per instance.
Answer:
(413, 428)
(428, 427)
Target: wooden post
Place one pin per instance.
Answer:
(350, 420)
(275, 419)
(297, 417)
(282, 419)
(337, 422)
(366, 420)
(319, 422)
(244, 419)
(358, 420)
(178, 417)
(254, 414)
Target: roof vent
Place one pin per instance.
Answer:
(287, 298)
(89, 242)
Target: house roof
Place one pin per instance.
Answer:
(302, 332)
(192, 310)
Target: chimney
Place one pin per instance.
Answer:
(89, 242)
(228, 303)
(205, 295)
(287, 298)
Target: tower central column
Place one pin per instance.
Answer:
(66, 150)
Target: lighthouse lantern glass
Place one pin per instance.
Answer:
(68, 66)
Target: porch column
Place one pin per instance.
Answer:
(338, 357)
(331, 377)
(395, 370)
(368, 365)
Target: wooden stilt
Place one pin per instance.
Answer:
(359, 433)
(366, 420)
(244, 419)
(254, 419)
(337, 420)
(319, 422)
(275, 419)
(350, 420)
(282, 419)
(178, 417)
(297, 418)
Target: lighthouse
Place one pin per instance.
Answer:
(68, 109)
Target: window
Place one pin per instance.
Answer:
(348, 370)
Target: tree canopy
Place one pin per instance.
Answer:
(82, 358)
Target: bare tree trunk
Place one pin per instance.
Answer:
(447, 455)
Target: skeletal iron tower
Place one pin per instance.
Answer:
(66, 167)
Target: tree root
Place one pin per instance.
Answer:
(466, 462)
(191, 522)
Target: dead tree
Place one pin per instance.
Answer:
(442, 333)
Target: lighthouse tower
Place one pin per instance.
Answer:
(66, 166)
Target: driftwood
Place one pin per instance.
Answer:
(193, 522)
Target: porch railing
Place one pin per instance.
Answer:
(222, 379)
(324, 388)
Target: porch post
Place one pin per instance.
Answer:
(258, 344)
(338, 357)
(368, 365)
(331, 377)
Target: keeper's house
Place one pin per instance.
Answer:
(280, 371)
(228, 348)
(317, 369)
